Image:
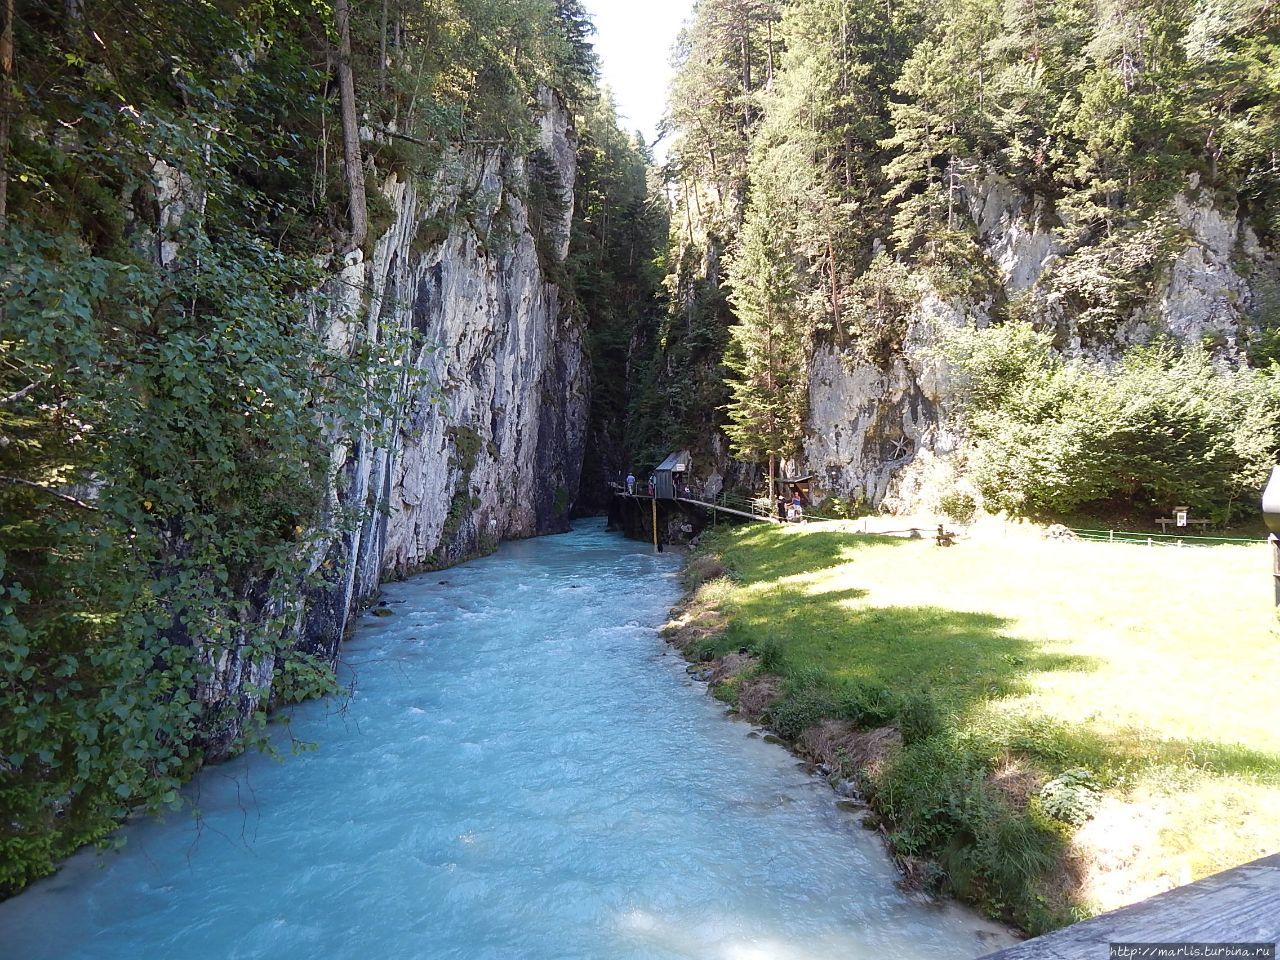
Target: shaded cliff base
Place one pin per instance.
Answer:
(679, 524)
(1012, 741)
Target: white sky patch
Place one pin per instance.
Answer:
(634, 39)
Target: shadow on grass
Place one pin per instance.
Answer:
(963, 660)
(797, 551)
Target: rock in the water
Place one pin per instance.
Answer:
(849, 789)
(384, 612)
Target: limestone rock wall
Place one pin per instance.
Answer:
(873, 430)
(482, 438)
(487, 428)
(483, 434)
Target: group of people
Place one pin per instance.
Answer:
(791, 510)
(631, 484)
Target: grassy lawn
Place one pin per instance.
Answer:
(1148, 673)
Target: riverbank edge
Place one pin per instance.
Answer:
(321, 682)
(848, 757)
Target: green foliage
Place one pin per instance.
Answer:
(431, 233)
(619, 229)
(958, 505)
(803, 705)
(868, 704)
(723, 57)
(883, 128)
(1072, 797)
(842, 508)
(772, 654)
(937, 797)
(1103, 285)
(467, 446)
(875, 320)
(919, 718)
(1166, 428)
(770, 385)
(167, 403)
(300, 675)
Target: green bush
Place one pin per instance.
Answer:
(959, 505)
(1166, 427)
(1071, 797)
(1102, 285)
(843, 508)
(937, 797)
(919, 718)
(800, 707)
(869, 705)
(772, 655)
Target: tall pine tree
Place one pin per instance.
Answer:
(769, 384)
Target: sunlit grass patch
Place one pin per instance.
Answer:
(1104, 674)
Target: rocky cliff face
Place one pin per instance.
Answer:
(483, 440)
(875, 432)
(488, 425)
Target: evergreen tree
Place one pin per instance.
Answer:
(769, 384)
(725, 55)
(580, 64)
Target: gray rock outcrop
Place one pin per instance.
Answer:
(875, 430)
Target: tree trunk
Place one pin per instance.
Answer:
(770, 53)
(382, 58)
(773, 486)
(837, 318)
(688, 214)
(354, 166)
(6, 108)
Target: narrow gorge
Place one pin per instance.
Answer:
(264, 352)
(318, 318)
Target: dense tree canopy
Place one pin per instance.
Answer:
(182, 178)
(876, 122)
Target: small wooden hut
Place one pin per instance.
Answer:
(671, 475)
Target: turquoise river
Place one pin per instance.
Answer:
(522, 770)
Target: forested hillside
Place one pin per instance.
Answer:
(294, 297)
(1013, 254)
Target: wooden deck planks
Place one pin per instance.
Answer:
(1241, 905)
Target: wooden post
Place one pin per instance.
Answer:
(656, 545)
(1275, 564)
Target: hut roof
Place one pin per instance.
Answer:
(678, 462)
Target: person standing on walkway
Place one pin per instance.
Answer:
(631, 484)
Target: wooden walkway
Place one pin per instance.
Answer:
(701, 503)
(1241, 905)
(737, 513)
